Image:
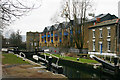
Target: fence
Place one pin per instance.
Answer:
(65, 50)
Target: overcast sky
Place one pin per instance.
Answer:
(38, 19)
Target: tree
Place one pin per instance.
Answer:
(12, 9)
(15, 39)
(76, 10)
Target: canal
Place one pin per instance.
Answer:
(80, 70)
(73, 69)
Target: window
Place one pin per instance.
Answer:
(70, 27)
(93, 34)
(109, 45)
(35, 44)
(48, 39)
(93, 45)
(66, 30)
(100, 46)
(31, 44)
(56, 38)
(108, 33)
(100, 33)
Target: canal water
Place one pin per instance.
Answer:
(73, 72)
(83, 72)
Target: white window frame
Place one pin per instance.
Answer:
(31, 44)
(100, 43)
(70, 27)
(35, 44)
(93, 45)
(109, 32)
(108, 45)
(108, 48)
(93, 34)
(101, 32)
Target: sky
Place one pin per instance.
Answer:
(40, 18)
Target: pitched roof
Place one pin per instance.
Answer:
(56, 26)
(45, 30)
(52, 28)
(48, 28)
(104, 23)
(103, 17)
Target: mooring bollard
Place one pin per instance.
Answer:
(77, 59)
(115, 60)
(116, 71)
(49, 63)
(36, 51)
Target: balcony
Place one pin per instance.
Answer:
(52, 41)
(48, 35)
(42, 36)
(51, 35)
(65, 34)
(60, 33)
(56, 35)
(60, 40)
(71, 32)
(45, 41)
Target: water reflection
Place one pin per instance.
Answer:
(72, 72)
(75, 73)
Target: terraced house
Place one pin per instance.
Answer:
(104, 37)
(67, 34)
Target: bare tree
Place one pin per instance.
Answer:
(76, 10)
(12, 9)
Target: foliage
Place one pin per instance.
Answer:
(15, 39)
(75, 10)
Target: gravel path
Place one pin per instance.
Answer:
(28, 71)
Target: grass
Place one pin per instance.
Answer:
(12, 59)
(82, 60)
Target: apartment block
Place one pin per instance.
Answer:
(67, 34)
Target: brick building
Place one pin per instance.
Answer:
(63, 34)
(103, 37)
(32, 40)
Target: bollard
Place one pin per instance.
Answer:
(116, 71)
(60, 70)
(77, 59)
(17, 50)
(36, 51)
(115, 60)
(49, 63)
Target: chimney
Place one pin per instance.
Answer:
(98, 20)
